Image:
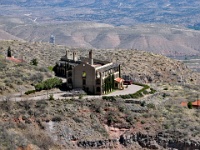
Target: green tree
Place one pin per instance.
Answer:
(34, 62)
(189, 105)
(9, 52)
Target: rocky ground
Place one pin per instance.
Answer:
(159, 123)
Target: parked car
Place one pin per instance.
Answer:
(127, 82)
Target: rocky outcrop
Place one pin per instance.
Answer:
(111, 143)
(146, 141)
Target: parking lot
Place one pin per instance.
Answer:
(129, 90)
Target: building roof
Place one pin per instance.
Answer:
(184, 104)
(196, 103)
(105, 68)
(119, 80)
(15, 59)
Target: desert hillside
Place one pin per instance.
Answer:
(6, 36)
(142, 66)
(156, 120)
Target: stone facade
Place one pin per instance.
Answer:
(92, 75)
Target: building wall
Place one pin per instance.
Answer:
(90, 77)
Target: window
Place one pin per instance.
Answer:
(98, 75)
(69, 80)
(84, 81)
(98, 81)
(98, 89)
(69, 74)
(84, 74)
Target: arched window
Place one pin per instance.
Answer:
(98, 81)
(69, 74)
(98, 89)
(84, 74)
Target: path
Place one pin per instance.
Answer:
(57, 94)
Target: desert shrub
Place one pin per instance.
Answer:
(130, 119)
(80, 96)
(101, 130)
(77, 120)
(164, 95)
(142, 122)
(51, 97)
(111, 118)
(166, 88)
(166, 126)
(96, 106)
(151, 105)
(41, 104)
(36, 77)
(121, 108)
(56, 119)
(39, 138)
(40, 124)
(42, 69)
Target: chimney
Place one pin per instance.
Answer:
(67, 52)
(74, 56)
(91, 57)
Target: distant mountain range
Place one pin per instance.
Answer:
(116, 12)
(162, 39)
(119, 24)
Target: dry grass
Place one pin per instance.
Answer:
(19, 77)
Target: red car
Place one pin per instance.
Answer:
(127, 82)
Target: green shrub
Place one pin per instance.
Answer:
(145, 92)
(109, 98)
(48, 84)
(30, 92)
(80, 96)
(50, 68)
(121, 108)
(34, 62)
(152, 91)
(142, 103)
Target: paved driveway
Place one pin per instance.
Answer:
(130, 90)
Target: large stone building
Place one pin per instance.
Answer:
(94, 76)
